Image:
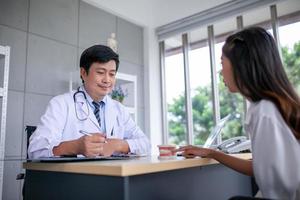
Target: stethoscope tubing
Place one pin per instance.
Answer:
(75, 104)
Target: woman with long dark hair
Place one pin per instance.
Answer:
(251, 65)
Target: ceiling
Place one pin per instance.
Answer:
(154, 13)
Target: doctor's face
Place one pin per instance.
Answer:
(227, 74)
(100, 79)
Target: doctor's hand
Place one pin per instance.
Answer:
(91, 146)
(193, 151)
(114, 146)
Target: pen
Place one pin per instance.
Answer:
(85, 132)
(88, 134)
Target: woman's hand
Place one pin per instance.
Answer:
(193, 151)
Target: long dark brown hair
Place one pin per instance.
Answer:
(259, 74)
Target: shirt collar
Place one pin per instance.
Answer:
(89, 98)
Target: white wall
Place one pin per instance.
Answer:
(136, 11)
(153, 114)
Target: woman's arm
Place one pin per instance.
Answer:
(240, 165)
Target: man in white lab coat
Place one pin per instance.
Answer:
(87, 121)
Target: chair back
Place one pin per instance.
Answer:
(29, 130)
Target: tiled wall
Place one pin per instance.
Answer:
(46, 38)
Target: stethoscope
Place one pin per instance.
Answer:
(79, 92)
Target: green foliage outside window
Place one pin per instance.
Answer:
(291, 60)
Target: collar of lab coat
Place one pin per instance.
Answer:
(109, 111)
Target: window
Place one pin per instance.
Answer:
(290, 46)
(229, 103)
(174, 80)
(201, 78)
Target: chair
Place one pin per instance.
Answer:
(28, 130)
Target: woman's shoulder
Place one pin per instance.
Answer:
(264, 108)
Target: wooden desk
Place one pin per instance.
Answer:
(143, 178)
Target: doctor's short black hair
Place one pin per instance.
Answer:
(98, 53)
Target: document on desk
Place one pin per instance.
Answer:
(57, 159)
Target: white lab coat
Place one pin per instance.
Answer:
(275, 152)
(60, 123)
